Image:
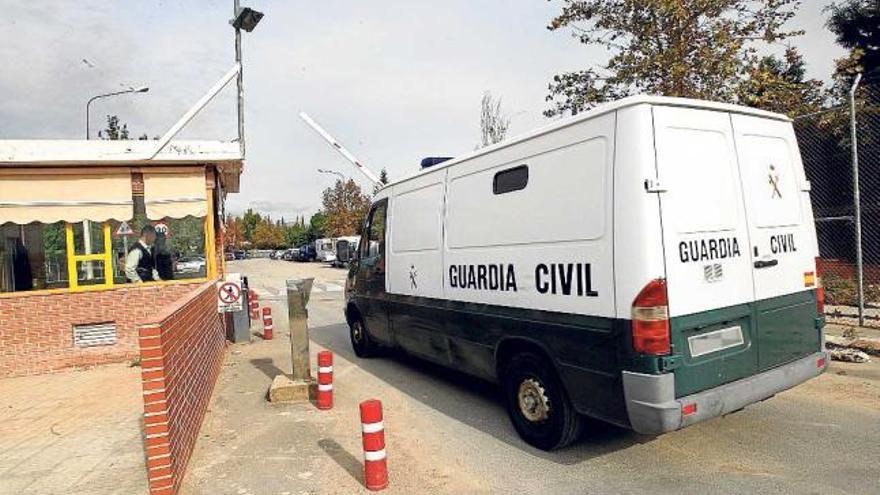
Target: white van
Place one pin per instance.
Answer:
(325, 250)
(346, 250)
(651, 262)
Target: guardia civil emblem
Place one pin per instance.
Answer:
(773, 176)
(413, 276)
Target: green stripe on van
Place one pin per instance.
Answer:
(775, 331)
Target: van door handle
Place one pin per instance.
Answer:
(766, 264)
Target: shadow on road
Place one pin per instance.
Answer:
(342, 457)
(267, 366)
(474, 402)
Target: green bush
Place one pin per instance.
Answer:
(839, 291)
(842, 291)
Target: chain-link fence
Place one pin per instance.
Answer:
(837, 145)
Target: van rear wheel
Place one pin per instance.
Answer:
(363, 345)
(537, 403)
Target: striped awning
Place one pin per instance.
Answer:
(55, 195)
(175, 193)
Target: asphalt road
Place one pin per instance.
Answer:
(448, 433)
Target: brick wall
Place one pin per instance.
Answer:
(36, 330)
(182, 351)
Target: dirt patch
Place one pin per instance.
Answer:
(852, 385)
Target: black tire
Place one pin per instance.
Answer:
(537, 403)
(363, 345)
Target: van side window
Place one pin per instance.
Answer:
(375, 245)
(512, 179)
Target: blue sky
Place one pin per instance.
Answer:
(394, 81)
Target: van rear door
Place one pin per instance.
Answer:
(706, 243)
(783, 238)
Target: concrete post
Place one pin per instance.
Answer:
(298, 387)
(298, 291)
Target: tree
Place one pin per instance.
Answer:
(296, 235)
(267, 235)
(316, 226)
(187, 236)
(344, 206)
(856, 23)
(779, 85)
(383, 180)
(114, 132)
(493, 122)
(688, 48)
(234, 234)
(249, 222)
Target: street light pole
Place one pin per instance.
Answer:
(242, 18)
(142, 89)
(239, 80)
(87, 225)
(333, 172)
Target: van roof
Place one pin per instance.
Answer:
(596, 112)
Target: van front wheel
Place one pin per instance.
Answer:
(537, 404)
(363, 345)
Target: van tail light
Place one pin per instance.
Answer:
(650, 319)
(820, 290)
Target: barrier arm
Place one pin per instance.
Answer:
(338, 147)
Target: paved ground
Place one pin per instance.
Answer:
(72, 433)
(449, 434)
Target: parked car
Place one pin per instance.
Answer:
(191, 264)
(229, 256)
(306, 253)
(240, 255)
(290, 254)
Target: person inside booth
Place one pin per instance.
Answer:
(163, 257)
(140, 263)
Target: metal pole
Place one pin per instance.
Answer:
(87, 248)
(239, 82)
(333, 172)
(857, 204)
(142, 89)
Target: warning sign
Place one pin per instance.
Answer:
(229, 294)
(124, 229)
(162, 228)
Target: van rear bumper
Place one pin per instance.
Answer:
(653, 409)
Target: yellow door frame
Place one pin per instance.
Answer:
(210, 242)
(73, 259)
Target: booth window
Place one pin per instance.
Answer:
(32, 257)
(178, 253)
(90, 258)
(63, 230)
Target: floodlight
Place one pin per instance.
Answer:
(247, 19)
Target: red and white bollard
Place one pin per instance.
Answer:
(254, 305)
(375, 465)
(267, 323)
(325, 380)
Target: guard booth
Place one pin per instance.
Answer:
(69, 213)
